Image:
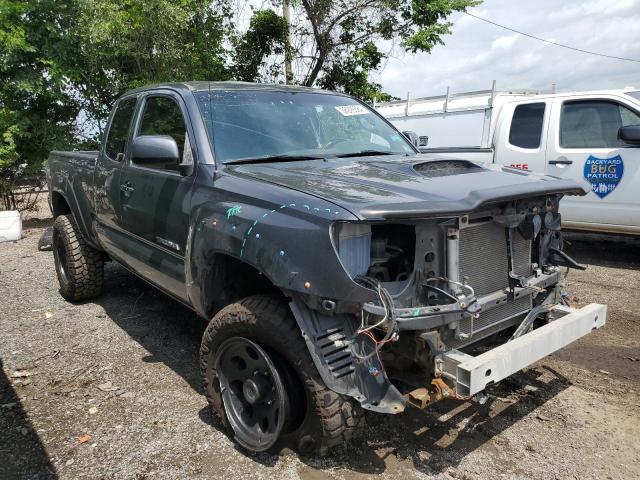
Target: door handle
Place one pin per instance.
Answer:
(126, 188)
(560, 161)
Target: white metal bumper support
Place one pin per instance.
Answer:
(472, 374)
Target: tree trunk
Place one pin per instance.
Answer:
(322, 43)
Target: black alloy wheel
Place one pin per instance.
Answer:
(253, 393)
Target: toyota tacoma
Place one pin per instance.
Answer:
(340, 270)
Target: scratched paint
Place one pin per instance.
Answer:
(231, 212)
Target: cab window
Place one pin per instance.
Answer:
(526, 125)
(162, 116)
(118, 136)
(594, 124)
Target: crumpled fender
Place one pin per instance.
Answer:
(286, 238)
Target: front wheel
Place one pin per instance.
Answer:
(262, 384)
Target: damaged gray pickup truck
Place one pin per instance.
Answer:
(340, 269)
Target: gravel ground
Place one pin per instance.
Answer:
(110, 389)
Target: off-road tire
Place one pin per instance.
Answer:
(331, 419)
(84, 264)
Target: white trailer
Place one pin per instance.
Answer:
(594, 136)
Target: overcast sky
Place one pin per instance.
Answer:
(477, 52)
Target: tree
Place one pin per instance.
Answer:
(122, 45)
(265, 36)
(336, 43)
(64, 62)
(37, 110)
(351, 74)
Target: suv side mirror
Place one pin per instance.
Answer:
(630, 134)
(412, 137)
(155, 150)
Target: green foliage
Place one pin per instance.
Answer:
(37, 111)
(351, 74)
(64, 62)
(266, 35)
(336, 43)
(126, 44)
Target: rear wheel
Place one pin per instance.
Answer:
(262, 384)
(80, 267)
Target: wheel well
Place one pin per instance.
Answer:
(59, 205)
(230, 279)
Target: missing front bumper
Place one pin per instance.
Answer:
(470, 375)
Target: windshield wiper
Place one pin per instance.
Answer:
(274, 158)
(365, 153)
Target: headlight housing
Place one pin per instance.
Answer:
(353, 243)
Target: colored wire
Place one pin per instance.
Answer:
(389, 317)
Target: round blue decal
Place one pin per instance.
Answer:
(604, 174)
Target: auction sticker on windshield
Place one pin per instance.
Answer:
(350, 110)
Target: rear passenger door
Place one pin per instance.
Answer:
(521, 135)
(584, 144)
(106, 179)
(156, 198)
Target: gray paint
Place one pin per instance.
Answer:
(276, 218)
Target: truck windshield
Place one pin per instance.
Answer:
(255, 125)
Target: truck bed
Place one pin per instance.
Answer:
(72, 172)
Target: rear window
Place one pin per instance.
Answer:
(526, 125)
(116, 143)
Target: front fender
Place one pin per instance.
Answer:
(286, 238)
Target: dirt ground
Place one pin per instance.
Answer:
(110, 389)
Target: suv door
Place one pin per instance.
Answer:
(106, 177)
(156, 198)
(521, 135)
(584, 144)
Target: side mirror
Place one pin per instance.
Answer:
(155, 151)
(412, 137)
(630, 134)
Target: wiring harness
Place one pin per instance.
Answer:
(388, 323)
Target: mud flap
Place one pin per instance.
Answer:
(328, 337)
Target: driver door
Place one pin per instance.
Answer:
(155, 198)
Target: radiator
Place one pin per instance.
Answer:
(492, 321)
(483, 263)
(484, 260)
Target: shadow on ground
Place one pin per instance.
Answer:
(431, 439)
(603, 251)
(440, 437)
(168, 330)
(22, 454)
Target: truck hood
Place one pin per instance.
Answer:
(388, 187)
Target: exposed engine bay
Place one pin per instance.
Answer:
(445, 287)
